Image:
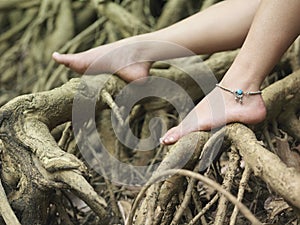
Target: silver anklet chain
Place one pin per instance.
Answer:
(239, 93)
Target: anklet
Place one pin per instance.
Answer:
(239, 93)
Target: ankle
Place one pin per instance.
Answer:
(243, 75)
(238, 77)
(241, 93)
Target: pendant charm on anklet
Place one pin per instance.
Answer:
(239, 93)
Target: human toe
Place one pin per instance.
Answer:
(61, 58)
(172, 136)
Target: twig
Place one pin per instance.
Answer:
(227, 183)
(66, 136)
(107, 98)
(204, 210)
(5, 210)
(186, 199)
(184, 203)
(247, 213)
(113, 202)
(198, 205)
(110, 188)
(243, 183)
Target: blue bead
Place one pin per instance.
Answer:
(239, 91)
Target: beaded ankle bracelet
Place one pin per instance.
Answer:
(239, 93)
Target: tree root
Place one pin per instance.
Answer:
(128, 24)
(242, 186)
(257, 157)
(285, 182)
(48, 80)
(204, 210)
(34, 166)
(29, 16)
(227, 185)
(173, 11)
(185, 202)
(279, 95)
(5, 209)
(53, 167)
(197, 176)
(25, 124)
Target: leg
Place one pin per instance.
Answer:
(202, 33)
(275, 27)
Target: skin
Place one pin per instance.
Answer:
(263, 29)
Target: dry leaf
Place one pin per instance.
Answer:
(275, 206)
(290, 157)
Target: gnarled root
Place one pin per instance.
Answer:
(282, 179)
(33, 164)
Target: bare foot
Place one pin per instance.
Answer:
(119, 58)
(216, 109)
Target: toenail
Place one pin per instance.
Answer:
(161, 140)
(169, 140)
(55, 53)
